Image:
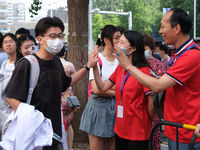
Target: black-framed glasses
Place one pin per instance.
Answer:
(55, 36)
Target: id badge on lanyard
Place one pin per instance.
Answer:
(120, 107)
(120, 110)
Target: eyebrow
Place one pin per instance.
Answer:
(123, 40)
(56, 33)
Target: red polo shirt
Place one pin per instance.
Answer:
(182, 101)
(136, 123)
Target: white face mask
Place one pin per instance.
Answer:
(147, 54)
(54, 46)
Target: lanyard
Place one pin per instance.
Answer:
(123, 83)
(171, 63)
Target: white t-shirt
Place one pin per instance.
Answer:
(107, 68)
(7, 69)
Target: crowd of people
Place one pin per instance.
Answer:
(126, 69)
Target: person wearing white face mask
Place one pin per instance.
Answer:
(134, 103)
(54, 46)
(156, 65)
(158, 68)
(52, 79)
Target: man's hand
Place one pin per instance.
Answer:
(93, 58)
(122, 58)
(197, 130)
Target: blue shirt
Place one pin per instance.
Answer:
(3, 56)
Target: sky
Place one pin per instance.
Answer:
(46, 5)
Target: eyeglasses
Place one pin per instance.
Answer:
(8, 42)
(54, 35)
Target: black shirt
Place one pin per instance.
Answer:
(47, 93)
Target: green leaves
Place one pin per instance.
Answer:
(99, 21)
(35, 7)
(145, 14)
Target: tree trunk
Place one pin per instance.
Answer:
(78, 55)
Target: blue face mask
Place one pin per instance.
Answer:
(147, 54)
(124, 50)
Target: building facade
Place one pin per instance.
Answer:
(10, 11)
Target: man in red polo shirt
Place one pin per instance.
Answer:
(181, 81)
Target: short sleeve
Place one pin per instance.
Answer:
(114, 75)
(184, 67)
(91, 74)
(18, 85)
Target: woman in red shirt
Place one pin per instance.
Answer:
(134, 103)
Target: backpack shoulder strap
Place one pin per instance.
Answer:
(5, 63)
(34, 75)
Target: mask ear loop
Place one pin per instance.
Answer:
(43, 44)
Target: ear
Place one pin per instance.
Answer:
(40, 40)
(106, 40)
(177, 28)
(133, 48)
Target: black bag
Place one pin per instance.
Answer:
(158, 102)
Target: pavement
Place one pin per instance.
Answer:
(86, 146)
(81, 146)
(164, 144)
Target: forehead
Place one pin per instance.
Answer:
(54, 30)
(28, 42)
(7, 38)
(146, 47)
(117, 33)
(166, 18)
(123, 38)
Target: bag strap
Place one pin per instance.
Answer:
(5, 63)
(34, 75)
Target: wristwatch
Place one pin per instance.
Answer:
(86, 67)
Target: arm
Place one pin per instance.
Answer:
(156, 85)
(91, 62)
(151, 109)
(102, 87)
(78, 75)
(14, 103)
(109, 93)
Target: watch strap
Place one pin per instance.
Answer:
(86, 67)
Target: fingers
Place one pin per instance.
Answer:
(115, 56)
(197, 130)
(93, 57)
(119, 50)
(95, 49)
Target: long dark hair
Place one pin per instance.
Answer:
(20, 41)
(136, 39)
